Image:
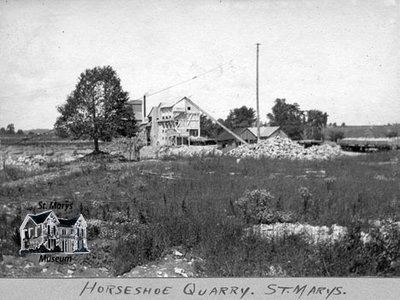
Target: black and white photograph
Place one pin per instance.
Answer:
(200, 139)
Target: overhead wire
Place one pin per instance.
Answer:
(187, 80)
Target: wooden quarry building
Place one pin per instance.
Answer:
(178, 123)
(173, 123)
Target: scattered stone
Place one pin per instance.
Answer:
(177, 253)
(284, 148)
(180, 271)
(312, 234)
(150, 152)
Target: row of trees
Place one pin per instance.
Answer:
(296, 123)
(10, 130)
(237, 118)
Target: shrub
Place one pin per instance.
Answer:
(260, 206)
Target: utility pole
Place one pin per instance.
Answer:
(258, 104)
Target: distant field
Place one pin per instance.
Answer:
(39, 140)
(373, 131)
(138, 211)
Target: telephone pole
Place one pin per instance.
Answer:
(258, 104)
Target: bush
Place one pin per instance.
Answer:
(259, 206)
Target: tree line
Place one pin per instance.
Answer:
(10, 130)
(296, 123)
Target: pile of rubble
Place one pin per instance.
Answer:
(150, 152)
(284, 148)
(186, 151)
(312, 234)
(37, 161)
(382, 230)
(30, 162)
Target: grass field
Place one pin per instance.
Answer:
(138, 211)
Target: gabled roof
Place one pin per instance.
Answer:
(68, 222)
(166, 104)
(40, 218)
(225, 135)
(265, 131)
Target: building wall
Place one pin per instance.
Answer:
(248, 137)
(137, 107)
(170, 123)
(137, 110)
(32, 233)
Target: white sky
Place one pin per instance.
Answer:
(338, 56)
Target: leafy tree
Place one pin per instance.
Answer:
(10, 129)
(2, 131)
(289, 117)
(316, 120)
(208, 128)
(31, 133)
(20, 132)
(96, 109)
(240, 118)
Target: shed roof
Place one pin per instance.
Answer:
(265, 131)
(226, 136)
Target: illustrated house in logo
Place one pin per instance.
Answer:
(45, 232)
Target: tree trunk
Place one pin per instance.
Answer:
(96, 145)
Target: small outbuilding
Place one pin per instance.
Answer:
(249, 134)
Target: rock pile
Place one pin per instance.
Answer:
(284, 148)
(25, 161)
(312, 234)
(186, 151)
(150, 152)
